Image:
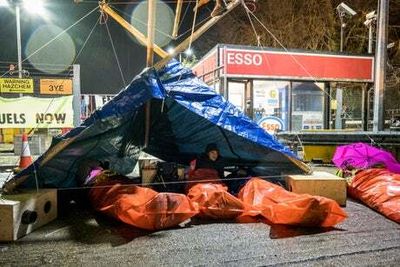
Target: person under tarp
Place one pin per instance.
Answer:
(257, 197)
(207, 196)
(210, 159)
(207, 190)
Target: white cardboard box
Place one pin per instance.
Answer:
(22, 213)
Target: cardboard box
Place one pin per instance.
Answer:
(320, 184)
(148, 175)
(20, 214)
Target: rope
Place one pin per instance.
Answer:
(251, 22)
(287, 51)
(161, 32)
(248, 12)
(193, 26)
(115, 54)
(183, 17)
(173, 182)
(56, 37)
(51, 101)
(297, 62)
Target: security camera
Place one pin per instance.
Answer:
(370, 18)
(371, 15)
(342, 7)
(368, 22)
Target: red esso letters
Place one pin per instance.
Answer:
(253, 59)
(270, 127)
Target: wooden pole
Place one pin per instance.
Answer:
(141, 38)
(185, 43)
(177, 18)
(151, 14)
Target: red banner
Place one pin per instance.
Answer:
(296, 65)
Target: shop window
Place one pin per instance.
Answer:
(270, 104)
(236, 91)
(308, 106)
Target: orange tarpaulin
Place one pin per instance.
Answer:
(379, 189)
(202, 176)
(280, 206)
(206, 190)
(214, 201)
(141, 207)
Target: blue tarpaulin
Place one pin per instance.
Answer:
(185, 116)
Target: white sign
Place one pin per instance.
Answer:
(312, 120)
(32, 112)
(101, 100)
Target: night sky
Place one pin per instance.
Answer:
(99, 69)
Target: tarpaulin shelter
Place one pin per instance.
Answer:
(186, 115)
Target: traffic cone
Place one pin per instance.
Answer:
(26, 158)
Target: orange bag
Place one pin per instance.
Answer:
(214, 201)
(379, 189)
(202, 176)
(139, 206)
(280, 206)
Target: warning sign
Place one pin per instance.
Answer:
(14, 85)
(56, 86)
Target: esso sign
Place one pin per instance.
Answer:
(271, 124)
(243, 58)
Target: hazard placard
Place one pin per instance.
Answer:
(56, 86)
(15, 85)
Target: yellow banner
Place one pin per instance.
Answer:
(56, 86)
(15, 85)
(31, 112)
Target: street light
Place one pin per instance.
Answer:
(170, 50)
(189, 52)
(369, 22)
(4, 3)
(36, 7)
(343, 11)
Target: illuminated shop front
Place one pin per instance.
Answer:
(282, 90)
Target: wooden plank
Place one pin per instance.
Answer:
(177, 18)
(141, 38)
(185, 43)
(320, 184)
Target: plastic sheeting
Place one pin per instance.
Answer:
(147, 209)
(364, 156)
(202, 176)
(141, 207)
(210, 195)
(214, 201)
(186, 115)
(379, 189)
(279, 206)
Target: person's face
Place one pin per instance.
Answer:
(213, 155)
